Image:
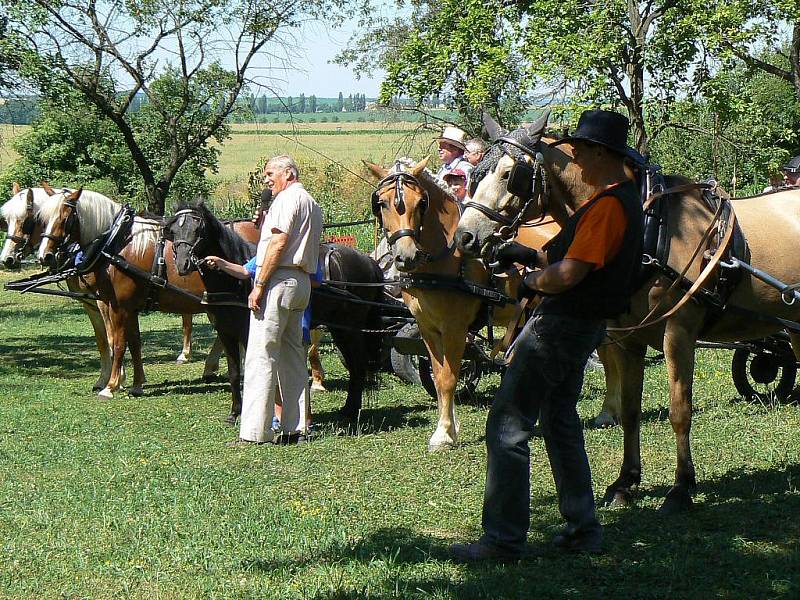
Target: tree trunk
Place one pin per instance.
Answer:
(635, 72)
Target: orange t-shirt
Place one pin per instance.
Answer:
(599, 234)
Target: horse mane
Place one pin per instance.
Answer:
(16, 207)
(233, 246)
(426, 176)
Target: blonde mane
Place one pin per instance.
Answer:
(16, 207)
(426, 176)
(96, 213)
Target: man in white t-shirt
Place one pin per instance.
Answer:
(286, 256)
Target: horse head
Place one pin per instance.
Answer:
(186, 229)
(506, 187)
(24, 229)
(61, 224)
(400, 203)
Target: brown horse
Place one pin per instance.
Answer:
(420, 226)
(769, 223)
(82, 216)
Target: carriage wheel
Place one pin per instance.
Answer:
(763, 375)
(471, 372)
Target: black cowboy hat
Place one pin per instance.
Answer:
(604, 127)
(793, 166)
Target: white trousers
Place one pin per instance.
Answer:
(276, 357)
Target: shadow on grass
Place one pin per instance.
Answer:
(374, 420)
(740, 543)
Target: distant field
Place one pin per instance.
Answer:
(310, 143)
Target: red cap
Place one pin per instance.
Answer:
(455, 173)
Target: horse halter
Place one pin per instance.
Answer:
(70, 224)
(525, 181)
(28, 224)
(192, 214)
(399, 180)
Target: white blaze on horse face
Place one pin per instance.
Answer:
(48, 229)
(492, 192)
(8, 246)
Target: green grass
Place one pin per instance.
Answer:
(139, 497)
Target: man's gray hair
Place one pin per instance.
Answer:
(284, 161)
(477, 144)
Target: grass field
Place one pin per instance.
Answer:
(139, 497)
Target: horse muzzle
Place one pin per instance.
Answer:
(13, 261)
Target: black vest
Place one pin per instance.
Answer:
(604, 293)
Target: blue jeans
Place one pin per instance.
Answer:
(543, 381)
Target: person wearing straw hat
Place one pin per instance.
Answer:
(452, 144)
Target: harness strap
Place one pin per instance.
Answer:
(709, 268)
(677, 189)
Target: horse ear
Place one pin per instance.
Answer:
(76, 194)
(536, 129)
(15, 188)
(420, 166)
(493, 128)
(377, 171)
(50, 191)
(29, 199)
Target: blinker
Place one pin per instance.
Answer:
(520, 180)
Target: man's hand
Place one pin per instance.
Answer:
(526, 286)
(254, 299)
(514, 252)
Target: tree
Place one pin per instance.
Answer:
(301, 103)
(340, 104)
(312, 104)
(133, 42)
(741, 30)
(261, 105)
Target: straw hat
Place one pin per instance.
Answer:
(455, 136)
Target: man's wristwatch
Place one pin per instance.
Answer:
(260, 283)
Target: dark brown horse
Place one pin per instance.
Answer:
(768, 222)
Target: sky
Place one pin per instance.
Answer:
(309, 70)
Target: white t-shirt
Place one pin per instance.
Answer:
(296, 213)
(459, 163)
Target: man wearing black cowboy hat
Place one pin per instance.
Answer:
(791, 172)
(586, 276)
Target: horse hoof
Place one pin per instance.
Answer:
(678, 500)
(230, 420)
(617, 498)
(440, 447)
(136, 391)
(182, 358)
(105, 394)
(604, 420)
(317, 387)
(98, 386)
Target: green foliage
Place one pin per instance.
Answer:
(71, 143)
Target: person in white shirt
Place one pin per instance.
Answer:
(286, 256)
(451, 151)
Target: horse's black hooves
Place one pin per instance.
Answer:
(97, 387)
(678, 500)
(230, 420)
(617, 497)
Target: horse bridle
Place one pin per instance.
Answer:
(195, 260)
(69, 225)
(523, 181)
(399, 180)
(28, 224)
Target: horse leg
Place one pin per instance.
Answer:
(628, 364)
(317, 372)
(117, 318)
(231, 344)
(135, 345)
(354, 353)
(794, 338)
(211, 366)
(186, 327)
(609, 414)
(101, 339)
(446, 361)
(679, 348)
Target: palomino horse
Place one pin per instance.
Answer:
(419, 216)
(24, 234)
(82, 216)
(768, 222)
(197, 233)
